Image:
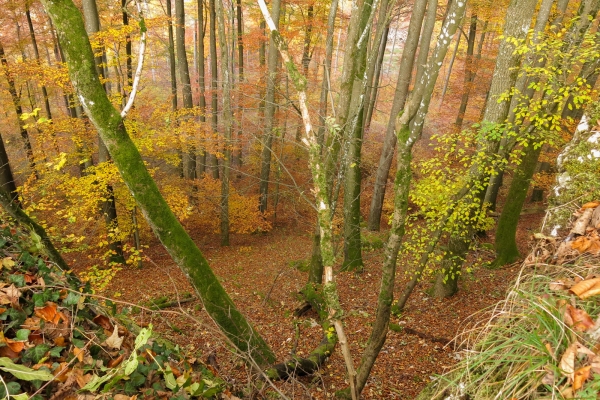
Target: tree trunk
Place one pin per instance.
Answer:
(109, 123)
(447, 81)
(240, 37)
(408, 131)
(189, 151)
(7, 180)
(172, 65)
(506, 243)
(425, 40)
(389, 143)
(16, 100)
(227, 122)
(518, 15)
(211, 159)
(375, 84)
(306, 53)
(316, 263)
(469, 70)
(201, 80)
(270, 106)
(109, 207)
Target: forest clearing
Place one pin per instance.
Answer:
(299, 199)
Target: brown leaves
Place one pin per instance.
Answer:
(10, 295)
(587, 244)
(50, 313)
(578, 319)
(586, 288)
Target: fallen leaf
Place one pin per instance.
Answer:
(103, 321)
(11, 294)
(50, 313)
(8, 262)
(584, 288)
(591, 204)
(585, 244)
(549, 378)
(595, 363)
(581, 320)
(36, 337)
(31, 323)
(115, 361)
(59, 341)
(581, 375)
(16, 346)
(558, 285)
(567, 361)
(6, 351)
(79, 353)
(114, 341)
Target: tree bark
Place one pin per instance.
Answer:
(270, 106)
(109, 123)
(109, 207)
(189, 151)
(389, 143)
(172, 65)
(16, 100)
(227, 122)
(240, 37)
(518, 19)
(201, 80)
(447, 80)
(211, 159)
(7, 180)
(469, 70)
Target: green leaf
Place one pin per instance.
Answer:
(55, 352)
(20, 396)
(22, 372)
(170, 379)
(71, 299)
(36, 353)
(96, 382)
(17, 279)
(130, 365)
(23, 334)
(137, 379)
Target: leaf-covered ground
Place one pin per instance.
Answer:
(58, 342)
(257, 273)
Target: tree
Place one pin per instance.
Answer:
(211, 159)
(400, 94)
(201, 76)
(108, 121)
(270, 106)
(189, 153)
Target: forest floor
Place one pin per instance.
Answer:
(257, 273)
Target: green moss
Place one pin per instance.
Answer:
(301, 265)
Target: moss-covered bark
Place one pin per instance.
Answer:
(506, 243)
(107, 120)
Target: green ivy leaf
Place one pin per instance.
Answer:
(22, 334)
(23, 372)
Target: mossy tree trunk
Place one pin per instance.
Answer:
(506, 240)
(212, 163)
(183, 250)
(270, 107)
(201, 80)
(172, 64)
(389, 144)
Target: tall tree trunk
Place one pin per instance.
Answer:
(240, 42)
(109, 207)
(7, 180)
(447, 80)
(308, 27)
(211, 159)
(316, 262)
(409, 129)
(227, 122)
(109, 123)
(506, 243)
(402, 84)
(425, 40)
(469, 69)
(189, 153)
(36, 53)
(172, 65)
(16, 100)
(518, 15)
(374, 90)
(270, 106)
(201, 79)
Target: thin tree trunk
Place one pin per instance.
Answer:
(189, 152)
(201, 79)
(375, 84)
(447, 80)
(37, 58)
(7, 180)
(211, 159)
(172, 65)
(270, 106)
(109, 123)
(109, 207)
(16, 100)
(227, 122)
(402, 84)
(469, 69)
(425, 40)
(315, 275)
(240, 37)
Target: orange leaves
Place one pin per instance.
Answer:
(586, 288)
(578, 319)
(50, 313)
(587, 244)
